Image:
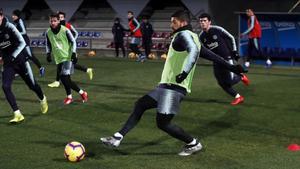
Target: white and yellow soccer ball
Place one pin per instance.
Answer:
(132, 55)
(152, 56)
(74, 151)
(163, 56)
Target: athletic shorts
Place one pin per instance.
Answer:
(135, 40)
(168, 100)
(67, 68)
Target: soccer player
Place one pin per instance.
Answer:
(136, 35)
(77, 66)
(61, 44)
(254, 35)
(176, 81)
(12, 50)
(118, 32)
(147, 32)
(221, 42)
(19, 24)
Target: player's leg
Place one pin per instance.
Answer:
(258, 50)
(134, 47)
(66, 71)
(26, 74)
(8, 76)
(117, 48)
(225, 81)
(35, 60)
(168, 106)
(89, 71)
(57, 78)
(250, 52)
(141, 105)
(123, 49)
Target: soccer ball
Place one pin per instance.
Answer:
(163, 56)
(151, 56)
(132, 55)
(92, 53)
(74, 151)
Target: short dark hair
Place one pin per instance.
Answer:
(182, 15)
(130, 12)
(17, 12)
(205, 15)
(54, 15)
(61, 13)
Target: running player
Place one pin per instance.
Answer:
(254, 35)
(89, 71)
(61, 44)
(221, 42)
(176, 81)
(12, 49)
(20, 25)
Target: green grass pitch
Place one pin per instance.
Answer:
(254, 135)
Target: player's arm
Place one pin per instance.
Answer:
(252, 19)
(48, 48)
(209, 55)
(185, 42)
(22, 29)
(72, 41)
(136, 24)
(226, 34)
(74, 32)
(20, 40)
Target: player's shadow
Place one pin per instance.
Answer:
(200, 100)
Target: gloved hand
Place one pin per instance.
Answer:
(235, 55)
(238, 69)
(74, 58)
(49, 59)
(180, 77)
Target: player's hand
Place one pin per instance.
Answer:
(49, 59)
(238, 69)
(235, 55)
(74, 58)
(180, 77)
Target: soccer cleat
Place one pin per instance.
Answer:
(190, 149)
(112, 141)
(245, 80)
(89, 71)
(268, 63)
(54, 84)
(84, 97)
(44, 105)
(17, 118)
(68, 101)
(42, 71)
(247, 64)
(141, 58)
(237, 101)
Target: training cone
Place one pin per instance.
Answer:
(294, 147)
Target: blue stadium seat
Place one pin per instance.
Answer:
(79, 43)
(85, 43)
(34, 43)
(97, 34)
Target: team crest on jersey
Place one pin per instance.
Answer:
(215, 37)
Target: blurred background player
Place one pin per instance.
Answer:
(20, 25)
(254, 35)
(147, 32)
(12, 49)
(136, 35)
(118, 32)
(176, 81)
(89, 71)
(221, 42)
(61, 44)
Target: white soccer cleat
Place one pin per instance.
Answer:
(54, 84)
(247, 64)
(190, 149)
(268, 63)
(112, 141)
